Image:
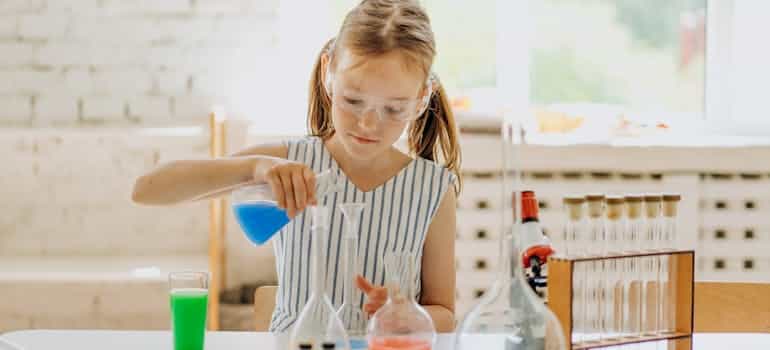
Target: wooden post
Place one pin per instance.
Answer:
(217, 215)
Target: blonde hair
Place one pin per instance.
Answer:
(378, 27)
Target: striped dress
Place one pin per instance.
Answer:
(396, 217)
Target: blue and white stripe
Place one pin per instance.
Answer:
(396, 217)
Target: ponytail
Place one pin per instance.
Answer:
(434, 134)
(319, 103)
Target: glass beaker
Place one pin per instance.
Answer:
(351, 314)
(318, 325)
(401, 323)
(510, 315)
(188, 292)
(257, 211)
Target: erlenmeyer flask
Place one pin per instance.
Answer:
(257, 211)
(510, 315)
(318, 325)
(351, 314)
(401, 323)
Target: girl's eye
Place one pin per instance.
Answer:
(393, 110)
(352, 101)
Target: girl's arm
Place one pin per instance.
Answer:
(438, 265)
(185, 180)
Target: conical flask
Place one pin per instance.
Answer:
(510, 315)
(258, 214)
(401, 323)
(318, 325)
(351, 314)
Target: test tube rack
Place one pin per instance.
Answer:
(561, 277)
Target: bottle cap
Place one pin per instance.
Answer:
(529, 208)
(595, 204)
(574, 206)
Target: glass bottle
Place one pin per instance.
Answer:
(401, 323)
(510, 315)
(575, 238)
(632, 291)
(613, 283)
(318, 325)
(595, 247)
(351, 314)
(668, 242)
(257, 211)
(650, 267)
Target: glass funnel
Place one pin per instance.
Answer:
(318, 326)
(401, 323)
(350, 312)
(257, 211)
(510, 315)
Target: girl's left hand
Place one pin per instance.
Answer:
(376, 296)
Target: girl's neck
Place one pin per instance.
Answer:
(368, 173)
(381, 163)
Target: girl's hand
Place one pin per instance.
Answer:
(293, 185)
(376, 296)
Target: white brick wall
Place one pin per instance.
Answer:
(116, 61)
(56, 109)
(15, 108)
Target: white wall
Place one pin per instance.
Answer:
(115, 62)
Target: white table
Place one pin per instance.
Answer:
(161, 340)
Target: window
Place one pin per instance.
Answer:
(619, 56)
(738, 63)
(595, 63)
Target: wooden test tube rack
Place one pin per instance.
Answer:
(680, 292)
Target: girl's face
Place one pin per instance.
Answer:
(372, 100)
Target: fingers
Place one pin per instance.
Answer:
(376, 296)
(288, 189)
(309, 178)
(364, 285)
(371, 308)
(300, 192)
(277, 187)
(293, 186)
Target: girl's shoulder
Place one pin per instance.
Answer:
(435, 169)
(302, 140)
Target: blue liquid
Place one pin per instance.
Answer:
(260, 220)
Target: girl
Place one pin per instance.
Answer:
(369, 85)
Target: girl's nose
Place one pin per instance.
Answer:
(369, 119)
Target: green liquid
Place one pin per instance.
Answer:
(188, 315)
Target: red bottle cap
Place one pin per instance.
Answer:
(529, 206)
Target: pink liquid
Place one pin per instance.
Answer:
(398, 343)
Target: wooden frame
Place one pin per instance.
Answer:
(217, 225)
(560, 291)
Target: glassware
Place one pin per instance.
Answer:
(613, 283)
(318, 325)
(594, 246)
(510, 315)
(188, 292)
(651, 269)
(632, 291)
(350, 312)
(575, 239)
(666, 312)
(257, 211)
(401, 323)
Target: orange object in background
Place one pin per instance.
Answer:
(398, 343)
(461, 103)
(556, 122)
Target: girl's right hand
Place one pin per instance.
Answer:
(293, 185)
